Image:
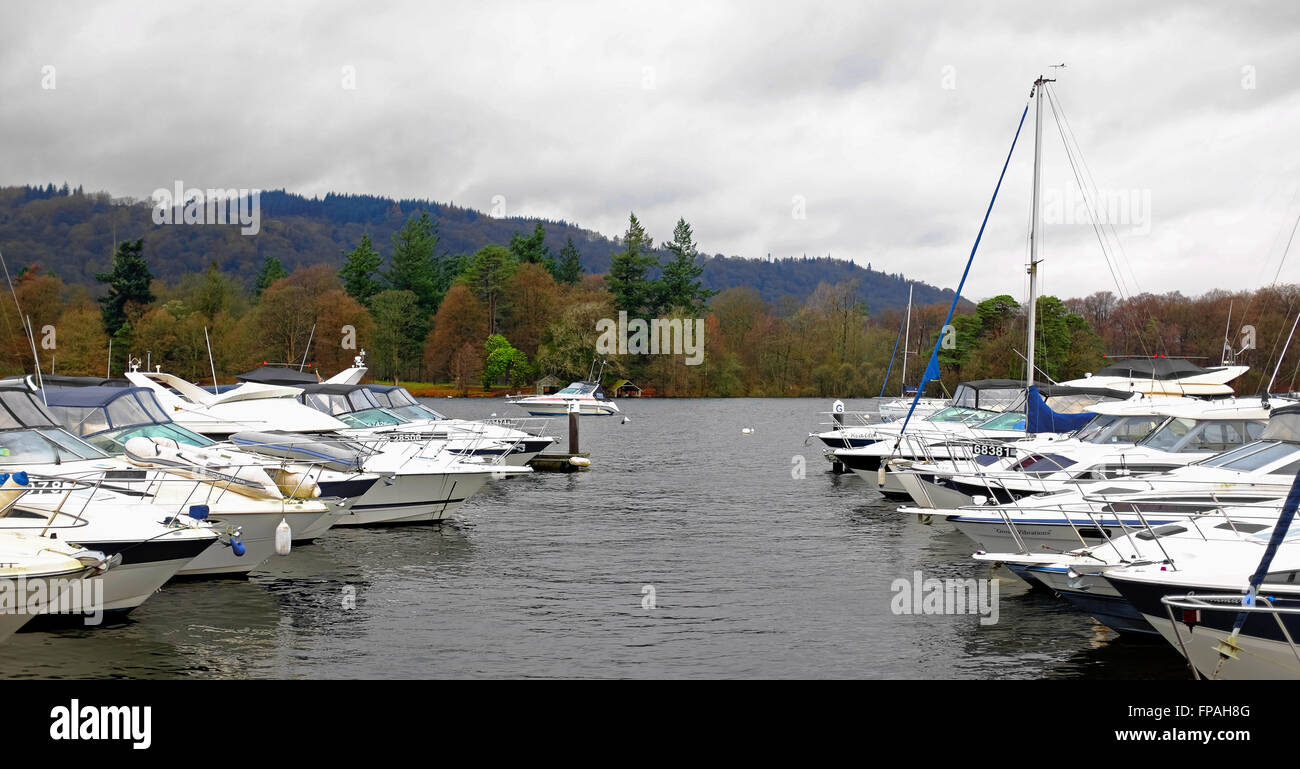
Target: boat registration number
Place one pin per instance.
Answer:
(994, 450)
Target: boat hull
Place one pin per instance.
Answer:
(413, 499)
(258, 538)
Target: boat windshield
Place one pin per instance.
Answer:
(1206, 436)
(416, 413)
(960, 414)
(371, 418)
(1110, 429)
(44, 446)
(1008, 421)
(402, 403)
(113, 440)
(1252, 456)
(577, 389)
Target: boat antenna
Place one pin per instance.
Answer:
(591, 370)
(1269, 389)
(211, 362)
(1039, 370)
(32, 338)
(1228, 354)
(27, 327)
(907, 337)
(304, 352)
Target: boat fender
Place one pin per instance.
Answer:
(238, 547)
(580, 461)
(283, 538)
(12, 487)
(880, 475)
(294, 485)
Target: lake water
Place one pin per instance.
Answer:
(754, 573)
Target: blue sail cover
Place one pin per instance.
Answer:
(1041, 418)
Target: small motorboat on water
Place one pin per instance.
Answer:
(589, 396)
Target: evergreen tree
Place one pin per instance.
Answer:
(128, 283)
(360, 273)
(270, 272)
(395, 343)
(628, 276)
(569, 267)
(680, 286)
(532, 249)
(412, 267)
(486, 275)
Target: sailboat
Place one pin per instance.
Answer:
(897, 409)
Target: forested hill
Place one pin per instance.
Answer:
(72, 234)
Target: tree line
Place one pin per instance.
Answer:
(511, 313)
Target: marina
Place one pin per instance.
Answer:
(756, 573)
(945, 351)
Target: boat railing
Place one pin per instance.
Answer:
(1190, 607)
(535, 426)
(850, 419)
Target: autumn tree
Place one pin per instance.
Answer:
(530, 300)
(461, 320)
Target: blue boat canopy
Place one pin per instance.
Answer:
(89, 411)
(1041, 419)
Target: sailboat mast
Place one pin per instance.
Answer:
(906, 336)
(1034, 228)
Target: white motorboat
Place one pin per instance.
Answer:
(1140, 436)
(589, 396)
(41, 576)
(400, 480)
(973, 402)
(1195, 607)
(1160, 375)
(168, 465)
(950, 433)
(1094, 511)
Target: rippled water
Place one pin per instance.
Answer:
(755, 574)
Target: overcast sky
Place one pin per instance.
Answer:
(884, 124)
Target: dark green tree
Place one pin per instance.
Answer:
(531, 249)
(628, 277)
(486, 275)
(679, 285)
(569, 267)
(412, 266)
(270, 272)
(128, 283)
(360, 272)
(398, 335)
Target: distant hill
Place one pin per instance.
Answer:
(72, 234)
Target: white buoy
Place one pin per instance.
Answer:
(283, 538)
(626, 420)
(748, 431)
